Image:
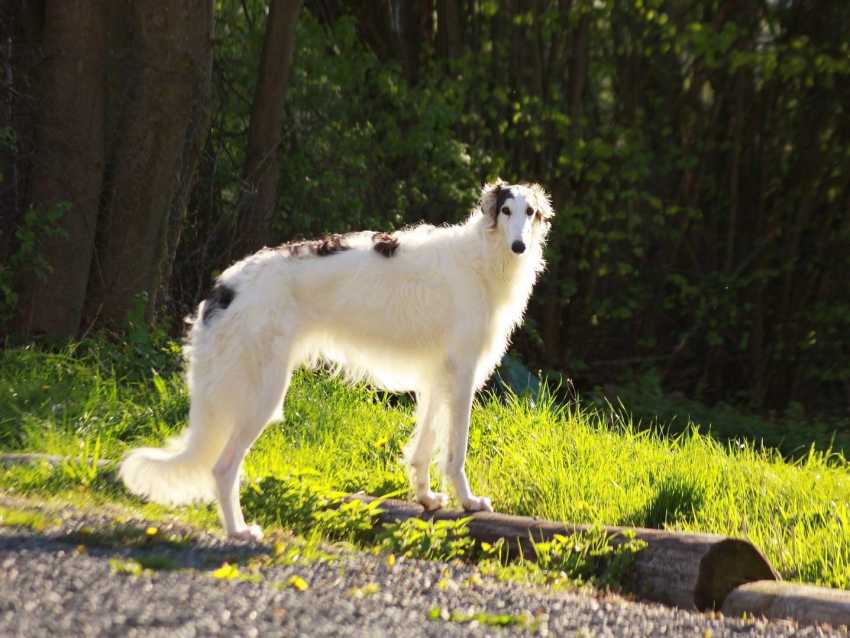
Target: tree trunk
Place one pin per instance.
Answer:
(193, 149)
(20, 30)
(160, 127)
(261, 172)
(68, 165)
(578, 68)
(449, 33)
(415, 29)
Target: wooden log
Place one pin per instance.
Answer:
(803, 603)
(691, 571)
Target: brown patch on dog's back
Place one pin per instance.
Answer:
(220, 299)
(323, 247)
(330, 245)
(385, 244)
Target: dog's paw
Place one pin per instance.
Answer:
(433, 500)
(477, 504)
(248, 533)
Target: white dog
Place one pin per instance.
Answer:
(425, 310)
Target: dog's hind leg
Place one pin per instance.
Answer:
(261, 408)
(460, 405)
(420, 451)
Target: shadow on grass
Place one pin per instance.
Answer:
(674, 504)
(793, 434)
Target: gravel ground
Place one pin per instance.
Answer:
(50, 585)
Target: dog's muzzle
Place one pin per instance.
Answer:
(518, 247)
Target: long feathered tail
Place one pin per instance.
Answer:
(181, 471)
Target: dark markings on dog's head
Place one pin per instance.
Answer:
(328, 245)
(220, 298)
(502, 195)
(385, 244)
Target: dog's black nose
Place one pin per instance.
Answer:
(518, 247)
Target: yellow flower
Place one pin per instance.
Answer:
(298, 583)
(226, 572)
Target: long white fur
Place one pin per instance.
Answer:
(435, 319)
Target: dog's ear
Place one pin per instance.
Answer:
(490, 197)
(542, 201)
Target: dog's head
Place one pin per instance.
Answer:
(520, 211)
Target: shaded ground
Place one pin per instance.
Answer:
(74, 578)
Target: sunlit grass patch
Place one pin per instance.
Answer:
(126, 566)
(569, 463)
(30, 519)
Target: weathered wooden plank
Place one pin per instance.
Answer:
(691, 571)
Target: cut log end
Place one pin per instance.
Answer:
(727, 565)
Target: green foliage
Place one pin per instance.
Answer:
(304, 505)
(429, 539)
(591, 556)
(35, 227)
(365, 149)
(35, 521)
(701, 225)
(141, 564)
(130, 567)
(83, 470)
(157, 562)
(362, 148)
(654, 251)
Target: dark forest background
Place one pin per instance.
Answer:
(697, 151)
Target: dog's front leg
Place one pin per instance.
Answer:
(419, 452)
(460, 407)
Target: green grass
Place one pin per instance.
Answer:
(13, 517)
(569, 463)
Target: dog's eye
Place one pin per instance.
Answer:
(506, 210)
(529, 211)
